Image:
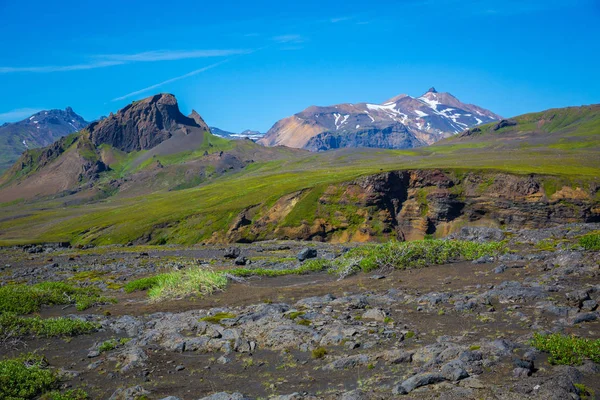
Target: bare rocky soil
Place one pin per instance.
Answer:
(456, 331)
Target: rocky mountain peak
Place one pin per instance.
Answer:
(432, 90)
(142, 124)
(199, 120)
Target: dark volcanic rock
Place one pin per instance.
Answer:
(504, 123)
(306, 253)
(141, 125)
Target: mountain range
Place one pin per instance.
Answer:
(248, 133)
(150, 174)
(398, 123)
(41, 129)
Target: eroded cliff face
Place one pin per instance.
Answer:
(409, 205)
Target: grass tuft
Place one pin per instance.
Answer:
(191, 281)
(142, 284)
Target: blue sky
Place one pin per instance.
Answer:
(247, 64)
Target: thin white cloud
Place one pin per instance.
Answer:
(110, 60)
(177, 78)
(61, 68)
(289, 39)
(167, 55)
(340, 19)
(18, 114)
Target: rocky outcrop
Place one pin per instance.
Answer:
(409, 205)
(141, 125)
(199, 121)
(395, 136)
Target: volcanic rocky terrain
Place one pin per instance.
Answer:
(463, 329)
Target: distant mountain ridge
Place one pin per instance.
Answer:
(400, 122)
(248, 133)
(39, 130)
(145, 146)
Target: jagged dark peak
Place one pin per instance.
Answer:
(141, 125)
(432, 90)
(199, 120)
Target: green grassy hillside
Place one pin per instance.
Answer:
(562, 144)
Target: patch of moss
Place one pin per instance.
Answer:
(218, 317)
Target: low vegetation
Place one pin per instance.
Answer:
(312, 265)
(319, 352)
(415, 254)
(25, 378)
(28, 377)
(12, 325)
(25, 299)
(177, 284)
(590, 241)
(142, 284)
(567, 350)
(218, 317)
(112, 344)
(399, 255)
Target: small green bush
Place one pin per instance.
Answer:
(25, 299)
(590, 241)
(567, 350)
(25, 378)
(319, 352)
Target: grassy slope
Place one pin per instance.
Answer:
(554, 148)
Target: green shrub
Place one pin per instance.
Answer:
(25, 299)
(567, 350)
(25, 378)
(590, 241)
(319, 352)
(14, 326)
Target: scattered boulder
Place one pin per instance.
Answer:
(417, 381)
(241, 260)
(306, 253)
(376, 314)
(132, 393)
(232, 252)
